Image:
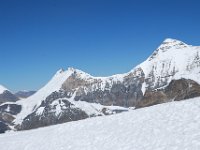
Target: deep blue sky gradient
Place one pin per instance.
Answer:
(101, 37)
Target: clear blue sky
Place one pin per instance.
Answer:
(101, 37)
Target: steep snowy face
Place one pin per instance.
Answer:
(3, 89)
(172, 60)
(33, 102)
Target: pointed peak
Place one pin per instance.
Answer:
(169, 43)
(79, 73)
(60, 71)
(71, 69)
(2, 89)
(173, 41)
(169, 40)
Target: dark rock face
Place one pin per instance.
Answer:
(119, 95)
(54, 110)
(7, 96)
(24, 94)
(177, 90)
(7, 112)
(3, 127)
(13, 109)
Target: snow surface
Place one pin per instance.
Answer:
(169, 126)
(2, 89)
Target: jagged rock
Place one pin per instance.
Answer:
(8, 112)
(3, 127)
(53, 110)
(177, 90)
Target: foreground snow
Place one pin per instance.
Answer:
(173, 126)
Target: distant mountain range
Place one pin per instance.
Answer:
(24, 93)
(171, 73)
(6, 95)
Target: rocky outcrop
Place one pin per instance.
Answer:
(54, 109)
(7, 115)
(3, 127)
(177, 90)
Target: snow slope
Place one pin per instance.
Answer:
(169, 126)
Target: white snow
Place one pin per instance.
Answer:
(2, 89)
(169, 126)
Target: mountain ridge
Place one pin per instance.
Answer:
(73, 94)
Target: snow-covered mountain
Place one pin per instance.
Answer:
(171, 73)
(172, 60)
(3, 89)
(6, 95)
(170, 126)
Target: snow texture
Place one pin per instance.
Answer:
(173, 126)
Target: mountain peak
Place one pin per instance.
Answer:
(168, 44)
(79, 73)
(71, 69)
(2, 89)
(170, 40)
(172, 43)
